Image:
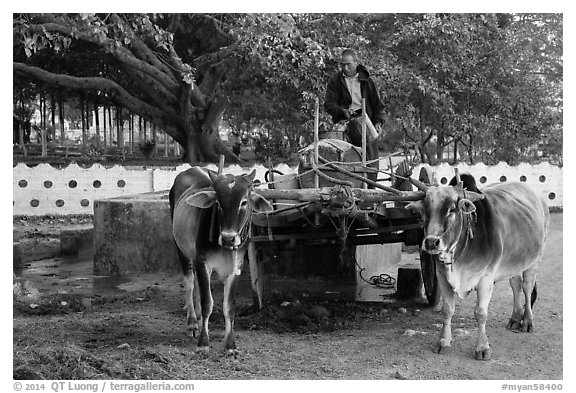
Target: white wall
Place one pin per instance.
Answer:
(543, 178)
(99, 182)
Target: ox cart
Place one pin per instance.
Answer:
(333, 199)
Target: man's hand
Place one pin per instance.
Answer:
(378, 127)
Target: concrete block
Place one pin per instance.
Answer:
(16, 255)
(409, 282)
(76, 241)
(133, 234)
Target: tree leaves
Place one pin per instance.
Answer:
(489, 82)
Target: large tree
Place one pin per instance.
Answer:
(138, 67)
(486, 83)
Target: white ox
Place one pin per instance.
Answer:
(481, 238)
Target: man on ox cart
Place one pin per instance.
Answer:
(343, 102)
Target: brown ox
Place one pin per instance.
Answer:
(211, 217)
(481, 238)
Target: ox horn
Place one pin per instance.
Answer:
(421, 186)
(459, 184)
(457, 175)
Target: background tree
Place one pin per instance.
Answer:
(137, 67)
(488, 85)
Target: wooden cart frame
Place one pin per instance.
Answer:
(350, 215)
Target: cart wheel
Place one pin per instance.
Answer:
(428, 268)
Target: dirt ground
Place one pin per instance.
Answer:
(133, 328)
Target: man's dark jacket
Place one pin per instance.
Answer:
(338, 97)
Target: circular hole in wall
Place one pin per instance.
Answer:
(22, 183)
(47, 184)
(542, 178)
(443, 180)
(84, 202)
(97, 183)
(121, 183)
(503, 179)
(552, 196)
(59, 203)
(483, 179)
(522, 178)
(72, 184)
(34, 202)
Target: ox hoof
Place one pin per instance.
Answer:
(446, 350)
(232, 352)
(203, 340)
(483, 354)
(514, 324)
(528, 328)
(192, 332)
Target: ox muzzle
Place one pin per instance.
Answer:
(230, 240)
(432, 244)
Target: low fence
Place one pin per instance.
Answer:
(45, 190)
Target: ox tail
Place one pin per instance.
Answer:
(533, 296)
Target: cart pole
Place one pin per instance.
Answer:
(364, 184)
(316, 125)
(316, 138)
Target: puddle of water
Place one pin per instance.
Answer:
(70, 274)
(75, 275)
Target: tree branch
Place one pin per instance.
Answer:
(109, 46)
(155, 93)
(116, 92)
(139, 48)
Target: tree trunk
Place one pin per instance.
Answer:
(83, 115)
(120, 128)
(104, 125)
(192, 153)
(110, 126)
(61, 117)
(88, 115)
(131, 133)
(471, 150)
(21, 133)
(43, 124)
(21, 137)
(154, 138)
(97, 122)
(440, 145)
(166, 145)
(140, 139)
(176, 148)
(53, 115)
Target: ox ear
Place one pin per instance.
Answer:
(250, 177)
(417, 207)
(466, 206)
(260, 204)
(202, 199)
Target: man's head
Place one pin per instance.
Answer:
(349, 62)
